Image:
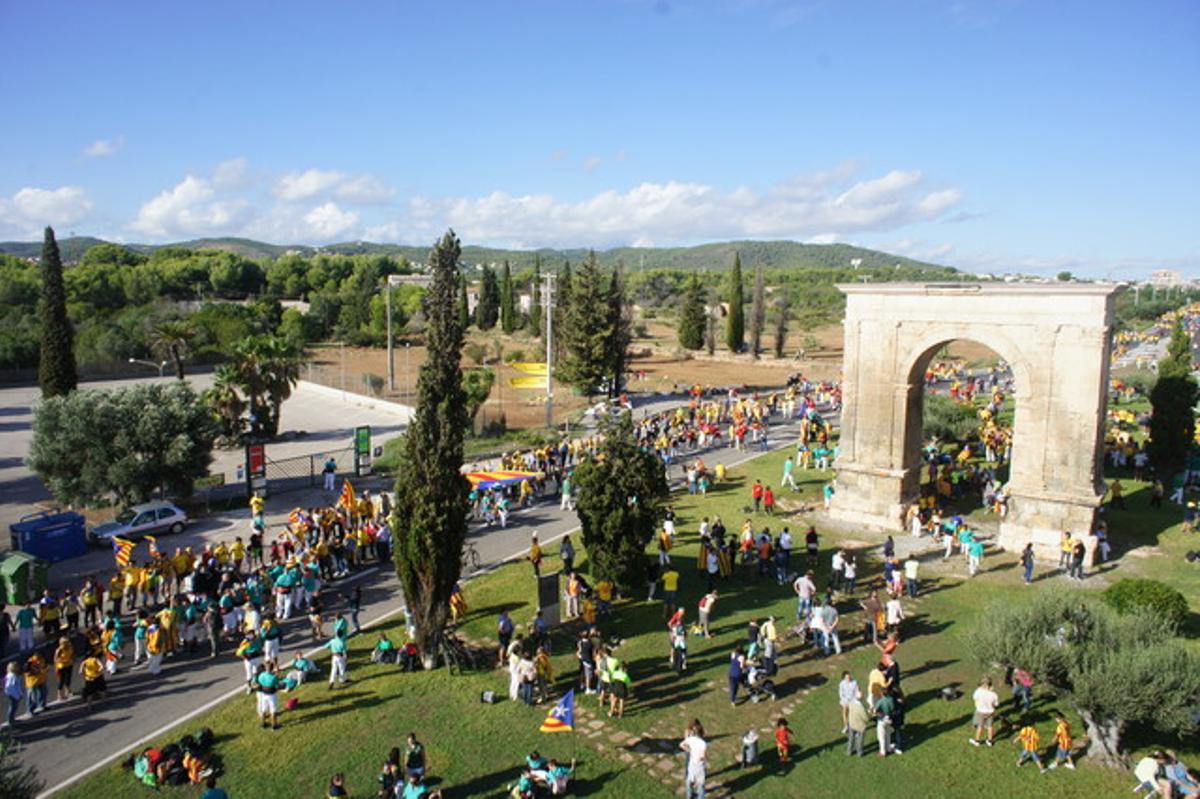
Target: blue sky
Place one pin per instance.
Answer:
(998, 135)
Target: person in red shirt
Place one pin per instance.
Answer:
(783, 741)
(769, 501)
(756, 494)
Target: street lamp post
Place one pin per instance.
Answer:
(159, 366)
(407, 368)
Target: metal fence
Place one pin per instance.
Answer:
(305, 471)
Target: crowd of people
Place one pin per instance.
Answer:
(233, 596)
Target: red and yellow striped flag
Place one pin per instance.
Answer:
(153, 543)
(346, 500)
(123, 550)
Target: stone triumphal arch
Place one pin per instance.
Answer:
(1057, 339)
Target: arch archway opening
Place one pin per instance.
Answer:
(959, 431)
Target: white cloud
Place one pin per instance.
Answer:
(237, 200)
(591, 163)
(191, 208)
(102, 148)
(327, 221)
(30, 209)
(318, 183)
(830, 205)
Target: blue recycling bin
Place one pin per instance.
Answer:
(52, 536)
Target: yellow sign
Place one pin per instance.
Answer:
(530, 368)
(527, 382)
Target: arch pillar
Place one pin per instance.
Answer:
(1057, 339)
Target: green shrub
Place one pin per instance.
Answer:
(948, 420)
(1127, 595)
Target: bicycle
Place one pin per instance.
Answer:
(471, 561)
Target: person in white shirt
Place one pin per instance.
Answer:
(985, 708)
(894, 612)
(697, 763)
(850, 576)
(848, 694)
(838, 568)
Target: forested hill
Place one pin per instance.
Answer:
(770, 254)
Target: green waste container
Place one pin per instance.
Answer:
(22, 577)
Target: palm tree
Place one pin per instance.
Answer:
(225, 400)
(268, 368)
(171, 338)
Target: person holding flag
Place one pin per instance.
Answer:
(560, 719)
(153, 543)
(123, 551)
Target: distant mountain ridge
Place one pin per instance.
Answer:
(769, 254)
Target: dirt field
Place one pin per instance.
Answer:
(659, 365)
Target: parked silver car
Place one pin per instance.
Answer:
(149, 518)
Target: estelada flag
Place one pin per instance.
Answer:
(562, 715)
(153, 542)
(123, 550)
(346, 500)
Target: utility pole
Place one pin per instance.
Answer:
(548, 301)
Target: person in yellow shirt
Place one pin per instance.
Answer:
(1062, 742)
(719, 472)
(36, 672)
(670, 581)
(133, 576)
(257, 504)
(156, 646)
(94, 685)
(64, 667)
(604, 597)
(237, 552)
(221, 553)
(1028, 739)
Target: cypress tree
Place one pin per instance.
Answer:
(781, 325)
(535, 304)
(618, 331)
(1172, 421)
(464, 305)
(429, 521)
(735, 324)
(691, 316)
(487, 310)
(710, 322)
(562, 310)
(508, 314)
(56, 364)
(758, 313)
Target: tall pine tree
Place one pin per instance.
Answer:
(758, 313)
(1172, 420)
(56, 365)
(691, 316)
(429, 520)
(619, 331)
(535, 293)
(735, 323)
(464, 305)
(508, 310)
(585, 329)
(487, 309)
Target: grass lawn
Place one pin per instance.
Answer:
(475, 749)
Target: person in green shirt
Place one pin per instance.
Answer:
(268, 684)
(414, 757)
(384, 651)
(26, 618)
(337, 661)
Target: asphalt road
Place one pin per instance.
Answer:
(68, 741)
(326, 423)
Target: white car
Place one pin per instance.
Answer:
(149, 518)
